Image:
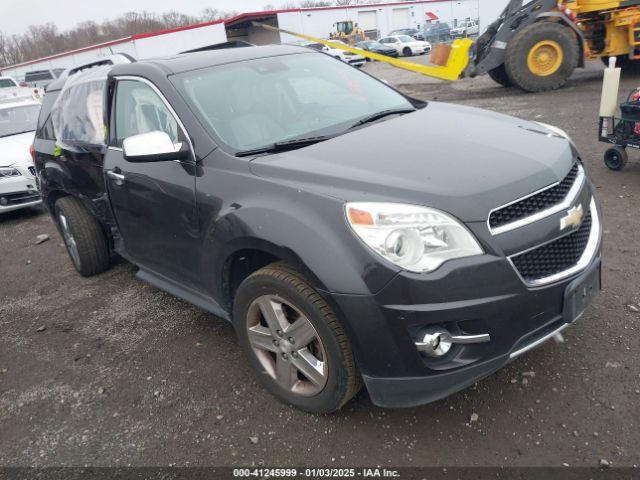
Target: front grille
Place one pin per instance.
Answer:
(21, 197)
(32, 171)
(535, 203)
(554, 257)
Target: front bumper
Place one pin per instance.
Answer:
(473, 296)
(397, 375)
(18, 192)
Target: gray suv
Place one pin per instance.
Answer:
(305, 202)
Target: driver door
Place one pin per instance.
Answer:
(153, 198)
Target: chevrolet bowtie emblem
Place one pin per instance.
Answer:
(573, 218)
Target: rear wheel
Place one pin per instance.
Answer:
(542, 57)
(86, 243)
(499, 75)
(294, 341)
(615, 158)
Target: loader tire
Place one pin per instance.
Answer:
(499, 75)
(542, 57)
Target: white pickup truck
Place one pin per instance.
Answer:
(11, 90)
(467, 28)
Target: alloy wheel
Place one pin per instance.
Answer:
(69, 241)
(287, 345)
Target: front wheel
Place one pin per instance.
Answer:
(615, 158)
(294, 341)
(407, 52)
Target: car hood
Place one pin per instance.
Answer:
(462, 160)
(14, 150)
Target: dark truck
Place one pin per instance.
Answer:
(304, 201)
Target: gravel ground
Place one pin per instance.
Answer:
(111, 371)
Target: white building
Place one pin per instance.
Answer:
(148, 45)
(376, 19)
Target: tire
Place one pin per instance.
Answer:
(499, 75)
(554, 71)
(270, 351)
(407, 52)
(86, 243)
(615, 158)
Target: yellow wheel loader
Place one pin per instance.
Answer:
(538, 45)
(347, 32)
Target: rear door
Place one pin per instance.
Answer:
(153, 202)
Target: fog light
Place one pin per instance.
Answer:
(4, 201)
(437, 341)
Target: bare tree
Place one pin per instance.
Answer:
(43, 40)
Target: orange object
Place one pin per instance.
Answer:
(440, 54)
(360, 217)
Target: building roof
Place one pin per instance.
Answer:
(235, 21)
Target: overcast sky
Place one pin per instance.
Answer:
(17, 15)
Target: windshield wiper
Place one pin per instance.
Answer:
(378, 115)
(284, 145)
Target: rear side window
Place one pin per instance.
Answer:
(45, 126)
(78, 114)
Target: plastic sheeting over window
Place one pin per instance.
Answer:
(78, 114)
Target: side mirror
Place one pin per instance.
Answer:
(152, 147)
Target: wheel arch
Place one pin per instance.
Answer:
(251, 254)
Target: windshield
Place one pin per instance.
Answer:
(7, 83)
(259, 102)
(406, 38)
(18, 120)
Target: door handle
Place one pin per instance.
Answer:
(117, 178)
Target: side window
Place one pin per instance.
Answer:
(140, 110)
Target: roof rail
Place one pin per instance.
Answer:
(220, 46)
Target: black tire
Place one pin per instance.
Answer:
(343, 379)
(92, 248)
(407, 52)
(499, 75)
(615, 158)
(516, 58)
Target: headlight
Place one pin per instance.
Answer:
(418, 239)
(9, 172)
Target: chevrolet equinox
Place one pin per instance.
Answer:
(352, 234)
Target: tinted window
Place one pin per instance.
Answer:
(17, 120)
(7, 83)
(37, 76)
(45, 126)
(257, 102)
(140, 110)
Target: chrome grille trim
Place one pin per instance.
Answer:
(587, 256)
(566, 203)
